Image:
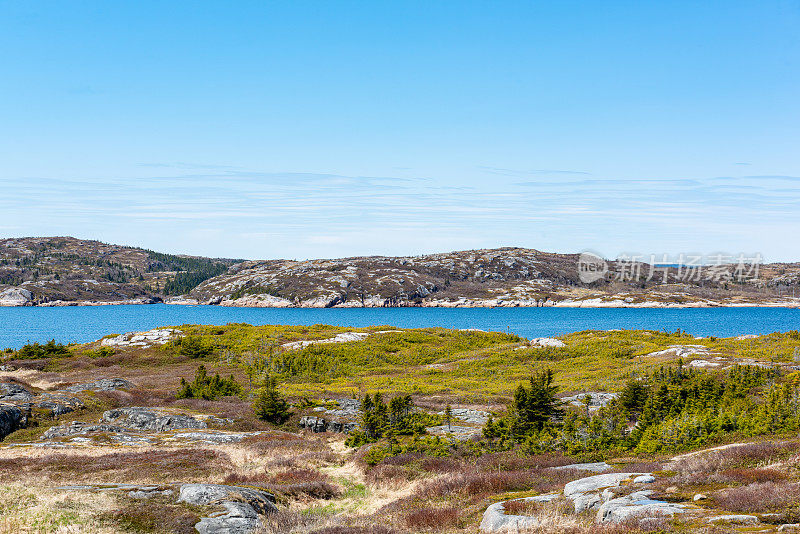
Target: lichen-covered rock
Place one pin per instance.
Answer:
(11, 392)
(204, 494)
(57, 404)
(238, 518)
(242, 507)
(637, 505)
(585, 492)
(104, 384)
(78, 428)
(138, 418)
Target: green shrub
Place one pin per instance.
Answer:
(50, 349)
(270, 405)
(193, 347)
(208, 387)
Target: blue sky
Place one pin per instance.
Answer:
(320, 129)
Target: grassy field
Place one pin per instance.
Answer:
(325, 487)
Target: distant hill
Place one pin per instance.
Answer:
(65, 270)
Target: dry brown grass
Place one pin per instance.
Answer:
(432, 518)
(103, 466)
(759, 497)
(292, 482)
(25, 508)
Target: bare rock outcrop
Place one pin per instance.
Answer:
(242, 507)
(138, 418)
(11, 418)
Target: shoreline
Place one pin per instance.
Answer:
(567, 303)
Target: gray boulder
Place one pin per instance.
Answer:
(58, 404)
(238, 518)
(637, 505)
(313, 423)
(242, 507)
(585, 492)
(77, 428)
(205, 494)
(11, 392)
(495, 518)
(16, 296)
(11, 418)
(137, 418)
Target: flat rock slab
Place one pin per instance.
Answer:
(596, 467)
(11, 392)
(597, 482)
(238, 518)
(637, 505)
(585, 492)
(205, 494)
(159, 336)
(104, 384)
(138, 418)
(215, 437)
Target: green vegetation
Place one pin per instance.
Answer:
(208, 387)
(191, 271)
(51, 349)
(270, 405)
(192, 346)
(398, 418)
(673, 409)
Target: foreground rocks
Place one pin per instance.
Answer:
(55, 404)
(603, 492)
(11, 418)
(634, 506)
(242, 507)
(495, 518)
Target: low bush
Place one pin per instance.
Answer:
(759, 497)
(432, 518)
(51, 349)
(208, 387)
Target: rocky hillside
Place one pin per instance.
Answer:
(57, 270)
(493, 277)
(65, 270)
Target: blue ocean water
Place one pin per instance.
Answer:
(87, 323)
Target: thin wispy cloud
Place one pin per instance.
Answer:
(277, 214)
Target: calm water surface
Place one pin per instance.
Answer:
(82, 324)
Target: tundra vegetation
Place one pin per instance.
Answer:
(445, 423)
